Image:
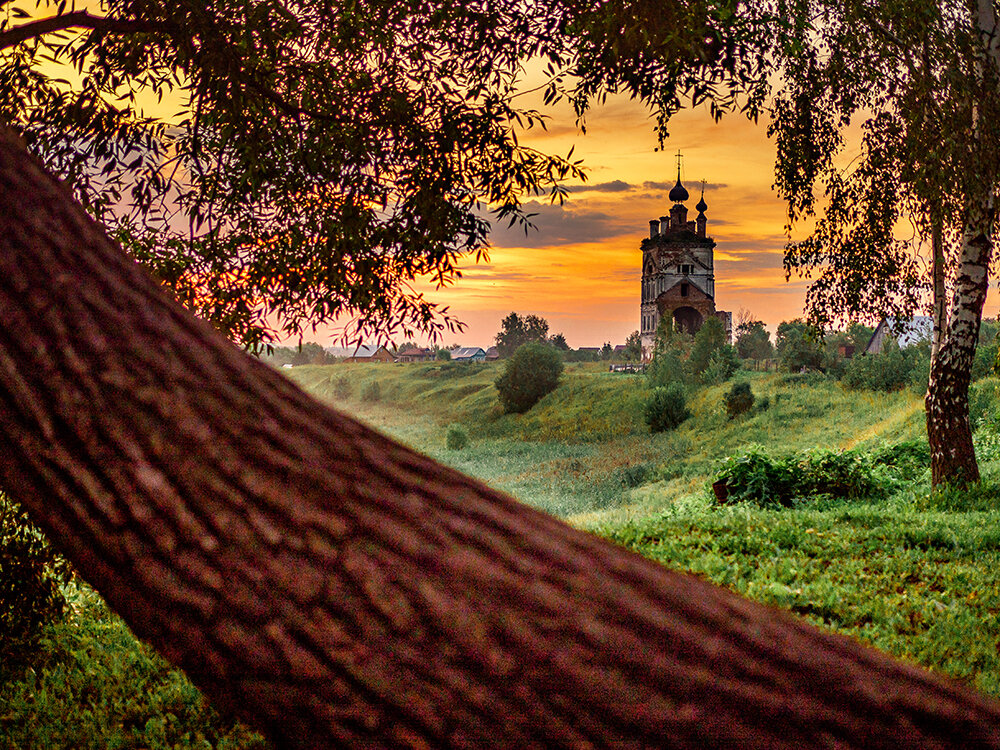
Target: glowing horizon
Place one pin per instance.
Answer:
(581, 269)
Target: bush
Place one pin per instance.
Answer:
(984, 403)
(891, 370)
(986, 361)
(456, 438)
(756, 477)
(739, 400)
(342, 388)
(666, 408)
(710, 338)
(371, 393)
(531, 373)
(30, 577)
(665, 369)
(908, 459)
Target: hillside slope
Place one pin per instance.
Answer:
(584, 448)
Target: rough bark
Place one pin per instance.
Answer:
(953, 458)
(335, 588)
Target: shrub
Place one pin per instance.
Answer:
(986, 360)
(710, 338)
(984, 403)
(629, 477)
(799, 346)
(342, 388)
(908, 459)
(30, 577)
(756, 477)
(456, 437)
(666, 408)
(443, 355)
(371, 393)
(531, 373)
(739, 400)
(891, 370)
(666, 368)
(986, 441)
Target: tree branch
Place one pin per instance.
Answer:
(79, 19)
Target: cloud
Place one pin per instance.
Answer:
(650, 185)
(615, 186)
(560, 225)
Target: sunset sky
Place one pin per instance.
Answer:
(581, 268)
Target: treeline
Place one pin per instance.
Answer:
(517, 330)
(680, 362)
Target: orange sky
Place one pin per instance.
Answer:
(580, 270)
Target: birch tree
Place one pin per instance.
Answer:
(919, 81)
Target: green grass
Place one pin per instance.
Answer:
(919, 584)
(95, 686)
(914, 574)
(577, 453)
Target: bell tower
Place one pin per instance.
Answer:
(678, 269)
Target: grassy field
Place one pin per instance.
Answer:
(910, 571)
(912, 574)
(584, 452)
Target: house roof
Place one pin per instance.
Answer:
(464, 352)
(364, 351)
(906, 332)
(415, 352)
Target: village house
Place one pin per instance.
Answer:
(413, 354)
(906, 333)
(468, 354)
(370, 353)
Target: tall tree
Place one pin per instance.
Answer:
(921, 78)
(753, 341)
(334, 588)
(516, 330)
(324, 156)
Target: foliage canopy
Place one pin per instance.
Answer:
(323, 157)
(517, 330)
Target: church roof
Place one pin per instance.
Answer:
(678, 193)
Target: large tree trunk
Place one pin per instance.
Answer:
(333, 587)
(953, 458)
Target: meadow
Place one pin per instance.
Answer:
(904, 569)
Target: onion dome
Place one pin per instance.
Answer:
(701, 204)
(678, 193)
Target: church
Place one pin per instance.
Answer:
(678, 270)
